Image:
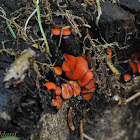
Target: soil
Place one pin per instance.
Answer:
(26, 109)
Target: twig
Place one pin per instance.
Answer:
(87, 137)
(133, 97)
(70, 18)
(27, 21)
(81, 130)
(25, 27)
(99, 12)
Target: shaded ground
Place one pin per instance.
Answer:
(27, 108)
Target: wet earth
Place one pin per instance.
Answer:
(26, 109)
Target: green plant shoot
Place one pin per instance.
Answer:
(10, 29)
(10, 138)
(41, 28)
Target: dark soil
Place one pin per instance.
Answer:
(27, 110)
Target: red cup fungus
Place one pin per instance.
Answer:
(56, 31)
(80, 69)
(127, 77)
(75, 87)
(88, 76)
(109, 53)
(50, 85)
(67, 91)
(76, 68)
(70, 63)
(57, 102)
(138, 67)
(87, 96)
(133, 66)
(90, 84)
(66, 32)
(88, 90)
(58, 90)
(57, 70)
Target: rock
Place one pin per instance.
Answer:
(53, 126)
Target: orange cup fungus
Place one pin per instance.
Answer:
(70, 63)
(138, 67)
(76, 68)
(133, 66)
(88, 76)
(90, 84)
(127, 77)
(109, 53)
(75, 87)
(134, 57)
(67, 91)
(57, 102)
(57, 70)
(50, 85)
(87, 96)
(66, 32)
(56, 31)
(88, 90)
(58, 90)
(80, 69)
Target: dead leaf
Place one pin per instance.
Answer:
(70, 123)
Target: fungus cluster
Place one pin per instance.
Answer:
(134, 66)
(65, 32)
(81, 80)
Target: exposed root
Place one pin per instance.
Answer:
(133, 97)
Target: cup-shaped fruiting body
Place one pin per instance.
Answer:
(50, 85)
(90, 84)
(75, 87)
(58, 90)
(109, 53)
(76, 68)
(57, 70)
(66, 32)
(127, 77)
(56, 31)
(80, 69)
(67, 91)
(133, 66)
(138, 67)
(70, 63)
(88, 90)
(87, 96)
(66, 67)
(57, 102)
(85, 80)
(134, 57)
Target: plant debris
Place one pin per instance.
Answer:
(101, 35)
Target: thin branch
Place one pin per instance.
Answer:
(133, 97)
(87, 137)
